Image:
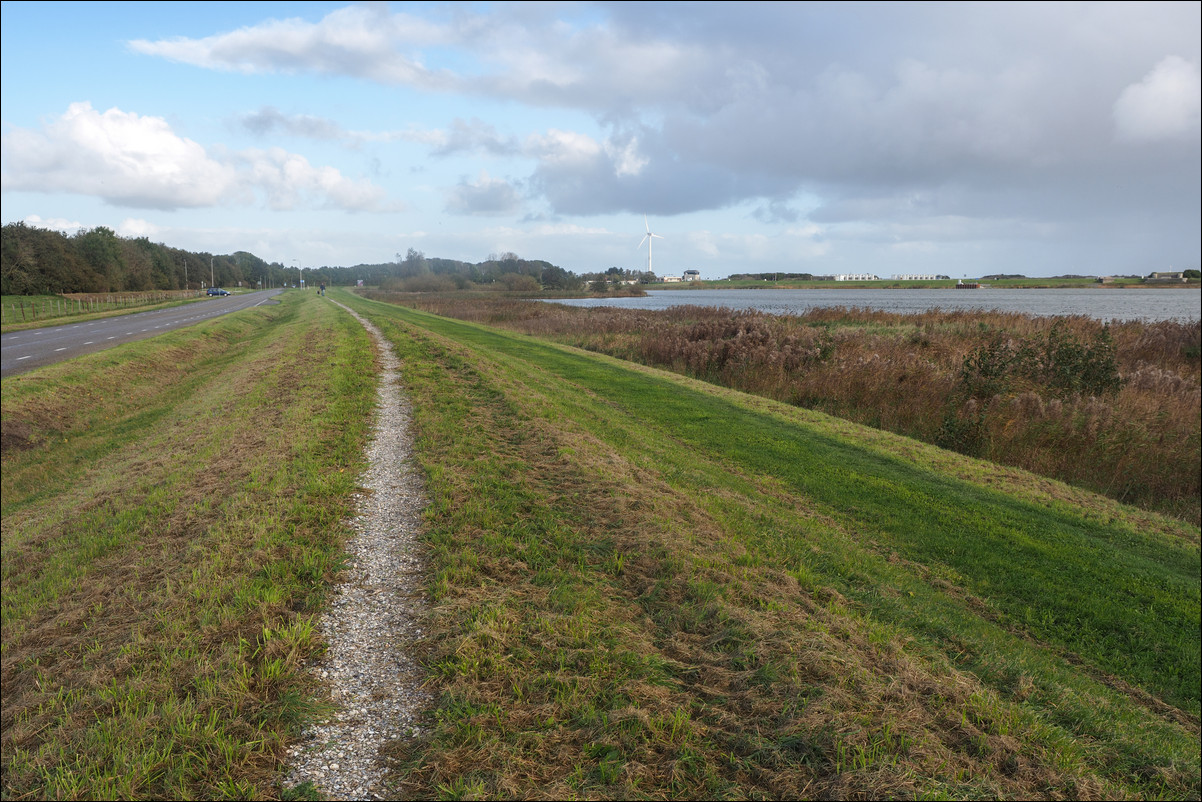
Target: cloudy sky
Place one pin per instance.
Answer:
(966, 139)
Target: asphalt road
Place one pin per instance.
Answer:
(33, 348)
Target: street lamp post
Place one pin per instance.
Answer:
(212, 282)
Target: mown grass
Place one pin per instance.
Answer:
(651, 588)
(643, 586)
(172, 514)
(19, 312)
(1114, 409)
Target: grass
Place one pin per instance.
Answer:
(641, 585)
(172, 512)
(1114, 409)
(19, 312)
(649, 587)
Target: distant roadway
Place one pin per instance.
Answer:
(32, 348)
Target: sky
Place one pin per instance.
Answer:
(963, 139)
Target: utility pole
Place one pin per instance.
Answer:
(184, 262)
(212, 283)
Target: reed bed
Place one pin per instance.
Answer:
(1110, 407)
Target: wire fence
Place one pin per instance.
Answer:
(28, 309)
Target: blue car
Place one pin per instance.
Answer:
(218, 291)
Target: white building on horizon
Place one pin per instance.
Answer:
(857, 277)
(916, 277)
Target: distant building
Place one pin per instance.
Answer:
(1167, 278)
(916, 277)
(672, 279)
(857, 277)
(692, 275)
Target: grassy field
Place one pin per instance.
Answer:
(651, 587)
(642, 586)
(1112, 408)
(19, 312)
(172, 514)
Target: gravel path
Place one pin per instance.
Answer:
(374, 684)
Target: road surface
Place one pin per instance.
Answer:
(33, 348)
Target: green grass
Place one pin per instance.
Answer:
(1127, 603)
(172, 512)
(19, 312)
(641, 586)
(651, 587)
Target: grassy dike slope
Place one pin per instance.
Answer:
(650, 587)
(172, 515)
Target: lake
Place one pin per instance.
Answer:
(1101, 303)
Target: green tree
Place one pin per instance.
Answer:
(101, 250)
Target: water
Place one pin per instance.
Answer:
(1102, 303)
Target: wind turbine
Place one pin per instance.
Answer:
(647, 239)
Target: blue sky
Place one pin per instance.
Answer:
(964, 139)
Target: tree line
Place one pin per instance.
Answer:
(36, 261)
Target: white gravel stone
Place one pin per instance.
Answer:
(374, 682)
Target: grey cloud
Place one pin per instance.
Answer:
(475, 135)
(485, 196)
(895, 97)
(776, 211)
(268, 120)
(597, 185)
(1049, 114)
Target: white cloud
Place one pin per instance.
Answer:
(1165, 105)
(626, 157)
(137, 161)
(136, 227)
(125, 158)
(359, 40)
(290, 181)
(53, 223)
(563, 148)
